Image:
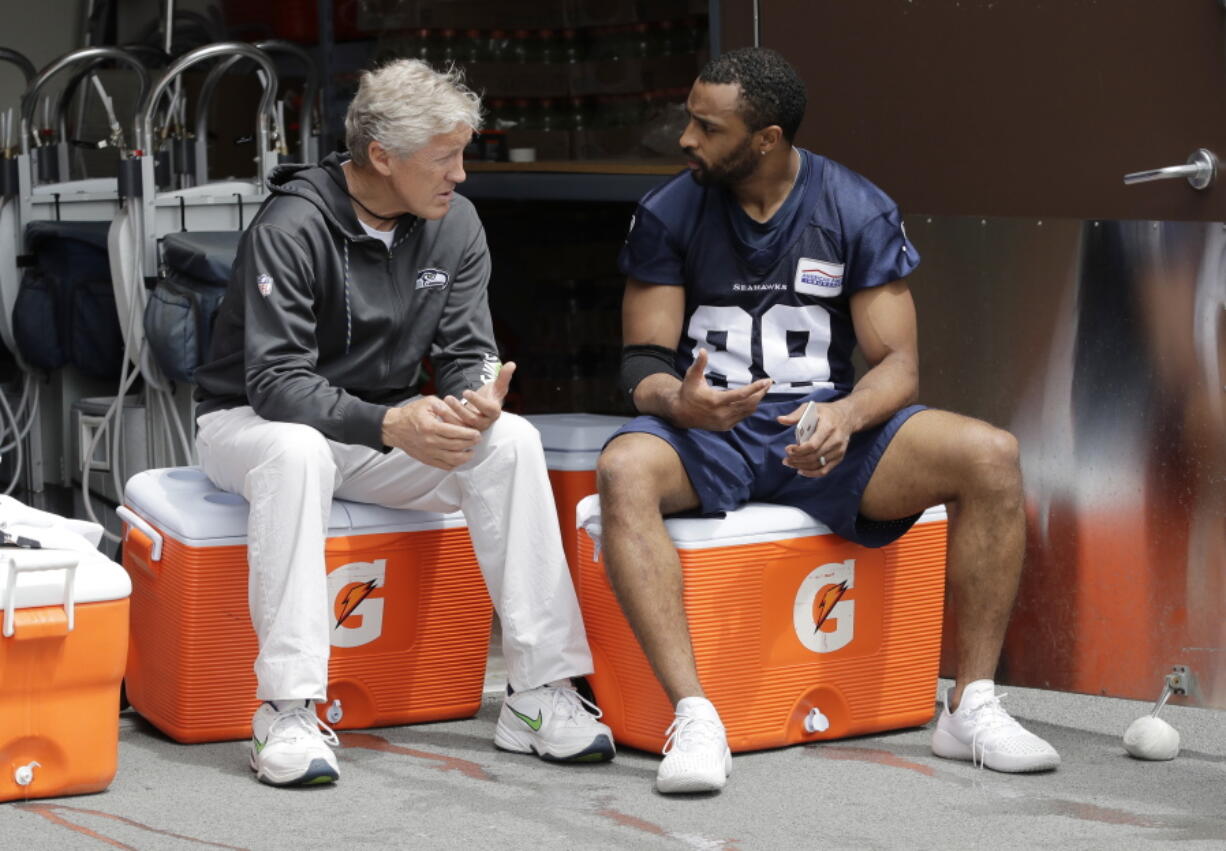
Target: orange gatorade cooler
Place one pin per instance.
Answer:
(412, 613)
(799, 635)
(572, 444)
(62, 649)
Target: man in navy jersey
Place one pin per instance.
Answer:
(750, 280)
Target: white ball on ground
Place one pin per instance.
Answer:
(1151, 738)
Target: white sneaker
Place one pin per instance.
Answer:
(982, 732)
(696, 755)
(555, 722)
(290, 745)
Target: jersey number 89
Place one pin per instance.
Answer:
(794, 342)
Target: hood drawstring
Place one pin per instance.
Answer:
(348, 313)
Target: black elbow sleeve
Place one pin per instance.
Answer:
(639, 361)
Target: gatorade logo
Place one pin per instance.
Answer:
(822, 616)
(359, 616)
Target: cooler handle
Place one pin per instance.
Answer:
(45, 560)
(130, 517)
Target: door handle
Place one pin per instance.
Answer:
(1200, 170)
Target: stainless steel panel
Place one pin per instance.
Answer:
(1099, 344)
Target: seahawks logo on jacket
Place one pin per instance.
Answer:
(427, 278)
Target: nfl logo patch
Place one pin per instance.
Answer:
(264, 284)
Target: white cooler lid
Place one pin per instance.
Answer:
(752, 523)
(573, 441)
(575, 432)
(368, 519)
(96, 579)
(181, 502)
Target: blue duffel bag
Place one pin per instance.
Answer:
(183, 306)
(65, 308)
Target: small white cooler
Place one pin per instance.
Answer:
(63, 645)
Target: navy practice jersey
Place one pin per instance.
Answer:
(781, 311)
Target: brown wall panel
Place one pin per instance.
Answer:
(736, 24)
(1011, 107)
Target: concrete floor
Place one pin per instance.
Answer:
(444, 785)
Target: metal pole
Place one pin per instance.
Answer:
(87, 40)
(168, 37)
(323, 9)
(310, 91)
(168, 25)
(86, 35)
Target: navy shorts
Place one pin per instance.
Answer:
(730, 468)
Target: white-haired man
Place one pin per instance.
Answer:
(352, 272)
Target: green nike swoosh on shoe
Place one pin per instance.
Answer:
(534, 723)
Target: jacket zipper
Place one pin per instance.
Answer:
(399, 302)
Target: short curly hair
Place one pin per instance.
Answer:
(771, 90)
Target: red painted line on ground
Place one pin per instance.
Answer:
(878, 757)
(631, 821)
(44, 810)
(1092, 812)
(627, 820)
(47, 812)
(1044, 806)
(447, 763)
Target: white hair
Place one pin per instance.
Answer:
(404, 104)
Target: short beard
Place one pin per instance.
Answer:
(734, 168)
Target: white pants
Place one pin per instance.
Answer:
(289, 474)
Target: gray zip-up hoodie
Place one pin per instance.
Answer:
(323, 325)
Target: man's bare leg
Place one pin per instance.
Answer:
(641, 478)
(973, 468)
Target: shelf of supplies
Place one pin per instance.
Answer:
(578, 166)
(565, 180)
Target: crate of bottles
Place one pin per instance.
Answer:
(589, 88)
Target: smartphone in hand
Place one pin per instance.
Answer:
(807, 424)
